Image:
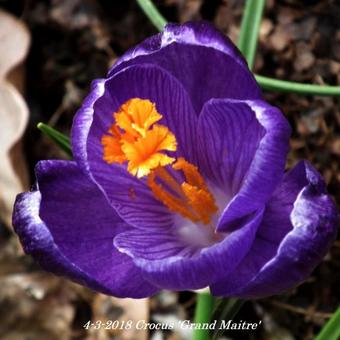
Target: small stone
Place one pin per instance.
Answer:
(266, 28)
(335, 146)
(334, 67)
(280, 39)
(304, 61)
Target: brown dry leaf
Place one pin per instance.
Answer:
(187, 9)
(106, 308)
(14, 43)
(35, 306)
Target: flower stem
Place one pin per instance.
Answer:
(250, 26)
(204, 308)
(152, 13)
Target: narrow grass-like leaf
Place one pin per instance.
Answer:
(226, 309)
(250, 26)
(331, 330)
(276, 85)
(152, 13)
(252, 21)
(59, 138)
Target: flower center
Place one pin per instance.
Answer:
(137, 140)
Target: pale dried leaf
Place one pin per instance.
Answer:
(13, 172)
(14, 42)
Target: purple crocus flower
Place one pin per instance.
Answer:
(178, 181)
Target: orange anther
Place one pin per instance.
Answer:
(174, 204)
(134, 138)
(194, 200)
(190, 171)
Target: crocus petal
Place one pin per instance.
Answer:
(168, 262)
(126, 192)
(130, 196)
(298, 227)
(243, 147)
(215, 66)
(68, 227)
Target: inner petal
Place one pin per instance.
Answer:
(173, 260)
(206, 76)
(243, 150)
(131, 197)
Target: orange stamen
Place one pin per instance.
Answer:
(164, 175)
(174, 204)
(201, 201)
(190, 171)
(194, 202)
(136, 139)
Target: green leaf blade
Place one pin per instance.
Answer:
(277, 85)
(152, 13)
(59, 138)
(250, 26)
(331, 331)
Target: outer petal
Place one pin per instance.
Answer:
(68, 227)
(171, 263)
(298, 227)
(204, 60)
(130, 196)
(243, 149)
